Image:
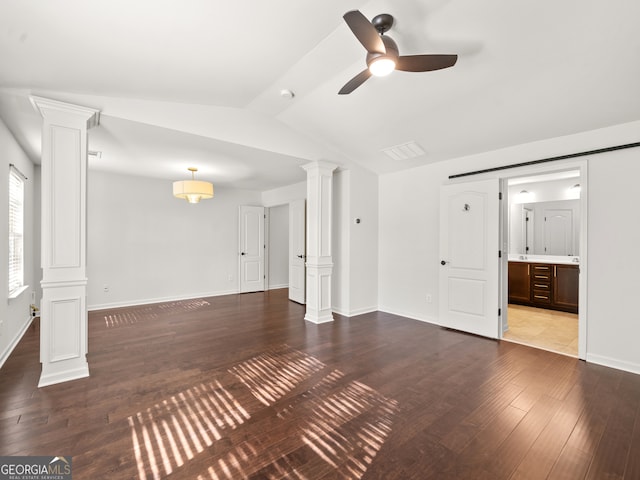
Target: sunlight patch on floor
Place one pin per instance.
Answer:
(271, 375)
(173, 431)
(332, 423)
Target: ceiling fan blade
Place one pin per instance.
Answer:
(425, 63)
(364, 31)
(355, 82)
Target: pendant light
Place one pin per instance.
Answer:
(192, 190)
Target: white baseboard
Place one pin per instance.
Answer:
(275, 287)
(147, 301)
(614, 363)
(353, 313)
(15, 341)
(410, 315)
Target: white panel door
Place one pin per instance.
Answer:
(469, 244)
(252, 249)
(297, 251)
(558, 231)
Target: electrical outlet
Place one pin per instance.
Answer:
(230, 277)
(429, 299)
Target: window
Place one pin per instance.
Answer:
(16, 232)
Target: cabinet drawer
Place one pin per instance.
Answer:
(541, 286)
(541, 268)
(541, 297)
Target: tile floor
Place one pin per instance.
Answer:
(542, 328)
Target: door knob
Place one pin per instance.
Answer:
(300, 256)
(443, 262)
(242, 253)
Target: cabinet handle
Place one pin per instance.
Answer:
(528, 269)
(540, 296)
(540, 286)
(555, 271)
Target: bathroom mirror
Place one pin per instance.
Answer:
(545, 228)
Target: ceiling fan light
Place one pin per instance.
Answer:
(382, 66)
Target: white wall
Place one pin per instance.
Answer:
(278, 274)
(363, 242)
(613, 334)
(15, 314)
(148, 246)
(355, 245)
(282, 195)
(409, 235)
(340, 242)
(37, 229)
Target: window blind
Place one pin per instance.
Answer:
(16, 230)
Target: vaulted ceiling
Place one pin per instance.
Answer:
(197, 83)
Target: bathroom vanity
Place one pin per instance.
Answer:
(544, 281)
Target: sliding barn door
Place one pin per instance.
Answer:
(469, 262)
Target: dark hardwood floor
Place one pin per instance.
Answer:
(241, 387)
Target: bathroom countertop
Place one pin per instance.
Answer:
(544, 259)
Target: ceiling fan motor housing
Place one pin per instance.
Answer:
(382, 22)
(392, 51)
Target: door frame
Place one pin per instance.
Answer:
(267, 239)
(560, 166)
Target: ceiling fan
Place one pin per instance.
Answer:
(382, 52)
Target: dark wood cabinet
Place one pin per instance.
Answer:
(565, 287)
(519, 282)
(544, 285)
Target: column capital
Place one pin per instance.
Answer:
(320, 166)
(48, 108)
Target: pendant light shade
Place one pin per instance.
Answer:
(192, 190)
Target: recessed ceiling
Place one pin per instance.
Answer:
(201, 80)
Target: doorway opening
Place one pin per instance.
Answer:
(278, 258)
(544, 221)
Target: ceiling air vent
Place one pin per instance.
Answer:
(404, 151)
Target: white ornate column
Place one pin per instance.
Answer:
(319, 261)
(63, 315)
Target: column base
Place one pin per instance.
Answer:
(63, 331)
(324, 318)
(319, 291)
(63, 375)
